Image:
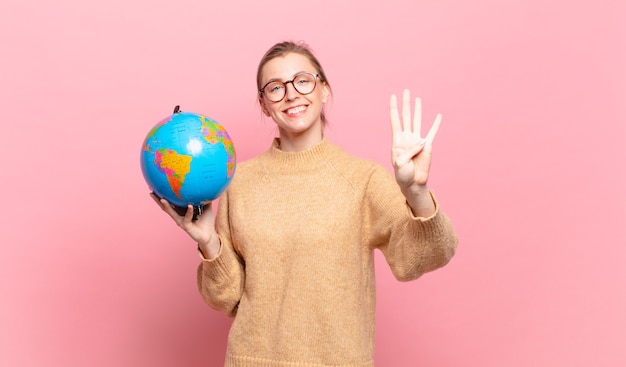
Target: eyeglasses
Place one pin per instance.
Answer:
(303, 83)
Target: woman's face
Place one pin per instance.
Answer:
(296, 113)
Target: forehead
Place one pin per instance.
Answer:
(285, 67)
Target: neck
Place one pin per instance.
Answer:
(299, 142)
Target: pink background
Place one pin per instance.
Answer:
(529, 164)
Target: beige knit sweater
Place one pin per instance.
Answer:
(296, 266)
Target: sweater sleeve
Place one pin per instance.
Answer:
(221, 279)
(411, 245)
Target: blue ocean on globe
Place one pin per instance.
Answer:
(188, 158)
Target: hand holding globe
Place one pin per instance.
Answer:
(201, 228)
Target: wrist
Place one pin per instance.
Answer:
(420, 200)
(201, 252)
(211, 249)
(415, 190)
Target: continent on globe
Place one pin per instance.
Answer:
(215, 133)
(174, 166)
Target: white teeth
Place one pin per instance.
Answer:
(295, 110)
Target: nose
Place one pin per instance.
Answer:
(290, 91)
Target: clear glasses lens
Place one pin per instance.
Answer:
(303, 83)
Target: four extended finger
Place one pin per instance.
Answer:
(417, 119)
(433, 129)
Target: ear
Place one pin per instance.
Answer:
(263, 108)
(325, 93)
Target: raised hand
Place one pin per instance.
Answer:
(411, 154)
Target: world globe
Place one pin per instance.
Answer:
(188, 158)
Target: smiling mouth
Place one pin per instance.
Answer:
(295, 110)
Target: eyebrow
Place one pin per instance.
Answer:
(293, 76)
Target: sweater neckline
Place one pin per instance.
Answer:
(305, 160)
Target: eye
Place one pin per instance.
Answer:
(274, 88)
(303, 80)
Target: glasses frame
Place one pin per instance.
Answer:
(315, 77)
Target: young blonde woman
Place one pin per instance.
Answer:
(289, 254)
